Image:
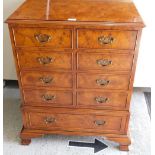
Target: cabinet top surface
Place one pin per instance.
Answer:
(112, 11)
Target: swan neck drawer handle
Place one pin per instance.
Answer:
(45, 60)
(49, 120)
(102, 82)
(101, 99)
(48, 97)
(46, 80)
(104, 62)
(100, 122)
(42, 38)
(103, 40)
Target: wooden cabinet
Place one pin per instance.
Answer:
(75, 62)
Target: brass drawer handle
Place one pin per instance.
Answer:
(45, 60)
(105, 40)
(104, 62)
(46, 80)
(49, 120)
(100, 122)
(101, 99)
(42, 38)
(48, 97)
(102, 82)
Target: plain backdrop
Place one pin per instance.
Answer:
(144, 66)
(146, 62)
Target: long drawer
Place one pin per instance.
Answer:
(47, 79)
(101, 99)
(105, 123)
(102, 61)
(102, 81)
(43, 37)
(44, 60)
(106, 39)
(43, 97)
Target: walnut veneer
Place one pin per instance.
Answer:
(75, 62)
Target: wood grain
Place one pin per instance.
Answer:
(60, 38)
(88, 98)
(60, 10)
(44, 97)
(88, 61)
(46, 79)
(74, 122)
(29, 60)
(114, 81)
(121, 39)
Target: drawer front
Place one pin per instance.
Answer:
(43, 37)
(47, 97)
(47, 79)
(48, 121)
(45, 60)
(103, 81)
(93, 61)
(106, 39)
(101, 99)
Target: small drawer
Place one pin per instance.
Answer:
(43, 37)
(43, 97)
(102, 81)
(99, 99)
(106, 39)
(74, 122)
(46, 79)
(44, 60)
(95, 61)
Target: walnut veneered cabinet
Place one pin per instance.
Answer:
(75, 62)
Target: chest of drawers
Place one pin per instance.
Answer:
(75, 62)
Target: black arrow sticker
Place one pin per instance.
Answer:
(98, 146)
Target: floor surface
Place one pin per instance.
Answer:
(148, 101)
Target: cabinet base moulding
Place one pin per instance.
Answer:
(27, 134)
